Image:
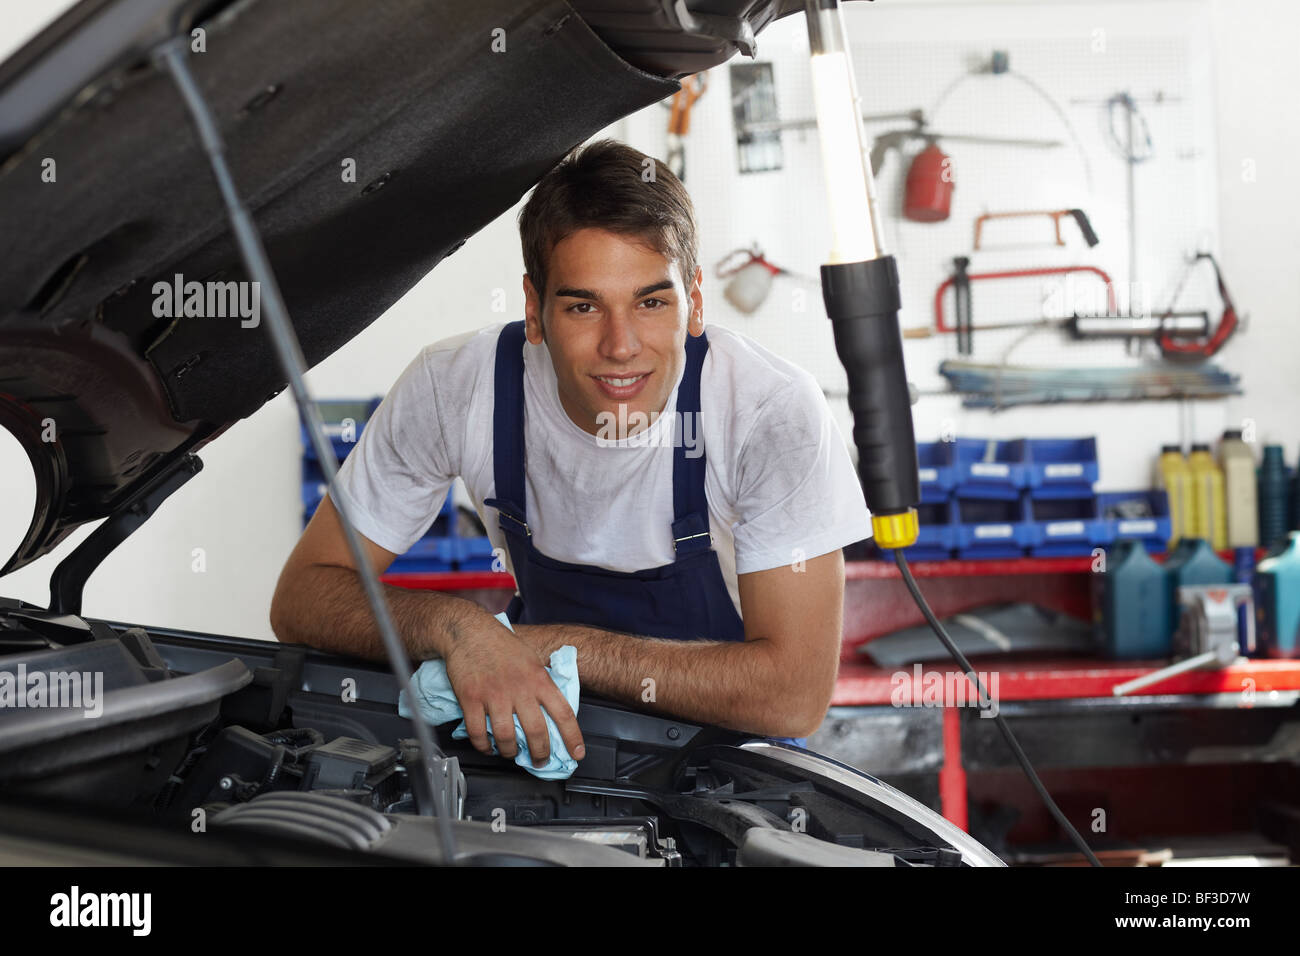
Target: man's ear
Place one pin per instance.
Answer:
(695, 321)
(533, 328)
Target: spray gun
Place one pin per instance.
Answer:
(860, 289)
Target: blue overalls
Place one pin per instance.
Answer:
(684, 600)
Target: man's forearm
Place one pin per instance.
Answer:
(736, 684)
(326, 607)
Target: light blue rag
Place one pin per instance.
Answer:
(438, 704)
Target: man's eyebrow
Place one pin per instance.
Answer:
(588, 294)
(656, 287)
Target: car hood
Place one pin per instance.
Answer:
(448, 113)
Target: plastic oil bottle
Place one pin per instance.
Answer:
(1277, 600)
(1192, 562)
(1174, 477)
(1272, 497)
(1239, 483)
(1134, 605)
(1209, 505)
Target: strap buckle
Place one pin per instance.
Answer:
(505, 512)
(523, 524)
(702, 534)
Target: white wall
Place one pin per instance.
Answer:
(243, 510)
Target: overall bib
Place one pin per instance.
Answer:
(685, 600)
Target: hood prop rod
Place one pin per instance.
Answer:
(68, 582)
(173, 55)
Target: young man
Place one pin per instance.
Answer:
(670, 503)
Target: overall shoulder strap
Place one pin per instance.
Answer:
(508, 430)
(690, 505)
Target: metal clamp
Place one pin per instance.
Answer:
(524, 524)
(702, 534)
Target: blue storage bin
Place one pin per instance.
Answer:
(1064, 527)
(1152, 529)
(333, 412)
(981, 475)
(936, 469)
(985, 527)
(1061, 467)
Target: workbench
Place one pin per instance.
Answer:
(1093, 750)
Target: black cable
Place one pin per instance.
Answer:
(982, 696)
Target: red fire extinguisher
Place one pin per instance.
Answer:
(928, 196)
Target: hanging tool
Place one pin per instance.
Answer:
(927, 193)
(753, 100)
(1134, 145)
(1139, 328)
(749, 278)
(967, 278)
(1003, 386)
(679, 121)
(896, 138)
(961, 304)
(1056, 215)
(1133, 154)
(751, 275)
(1170, 325)
(1208, 346)
(928, 189)
(1207, 629)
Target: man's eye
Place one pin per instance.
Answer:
(654, 303)
(583, 306)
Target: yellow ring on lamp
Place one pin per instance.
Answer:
(896, 531)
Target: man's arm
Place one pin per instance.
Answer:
(777, 682)
(319, 601)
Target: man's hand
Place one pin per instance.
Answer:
(497, 675)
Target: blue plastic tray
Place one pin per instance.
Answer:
(981, 532)
(1061, 467)
(1154, 532)
(1002, 476)
(1064, 526)
(936, 470)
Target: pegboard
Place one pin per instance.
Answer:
(1059, 54)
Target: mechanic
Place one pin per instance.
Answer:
(671, 503)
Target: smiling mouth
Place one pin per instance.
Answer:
(620, 382)
(621, 387)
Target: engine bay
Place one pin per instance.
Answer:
(283, 740)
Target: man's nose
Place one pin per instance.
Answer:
(620, 342)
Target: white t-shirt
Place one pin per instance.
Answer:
(779, 480)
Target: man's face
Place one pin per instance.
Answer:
(614, 317)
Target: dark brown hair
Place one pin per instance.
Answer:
(609, 185)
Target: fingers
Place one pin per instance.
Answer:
(475, 727)
(565, 721)
(539, 738)
(503, 730)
